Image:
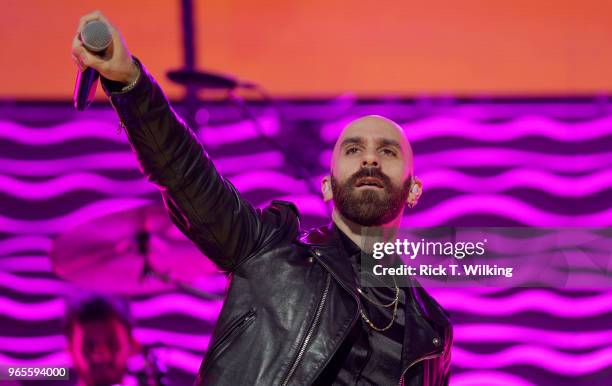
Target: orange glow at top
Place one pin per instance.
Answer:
(325, 48)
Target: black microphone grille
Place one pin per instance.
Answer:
(96, 36)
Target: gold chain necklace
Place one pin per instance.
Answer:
(394, 303)
(378, 304)
(381, 329)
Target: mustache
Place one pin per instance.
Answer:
(369, 172)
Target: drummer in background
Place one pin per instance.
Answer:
(100, 340)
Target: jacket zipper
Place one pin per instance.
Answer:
(236, 327)
(355, 317)
(311, 331)
(401, 380)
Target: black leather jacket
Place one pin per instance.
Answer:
(292, 296)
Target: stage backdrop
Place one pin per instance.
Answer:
(328, 47)
(504, 164)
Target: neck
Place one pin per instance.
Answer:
(365, 236)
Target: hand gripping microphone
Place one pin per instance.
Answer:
(96, 37)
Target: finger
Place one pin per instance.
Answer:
(95, 15)
(103, 18)
(118, 42)
(74, 53)
(86, 19)
(76, 42)
(87, 58)
(78, 63)
(77, 50)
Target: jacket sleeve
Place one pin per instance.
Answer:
(206, 207)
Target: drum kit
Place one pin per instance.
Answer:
(134, 252)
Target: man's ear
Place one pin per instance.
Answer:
(416, 189)
(326, 189)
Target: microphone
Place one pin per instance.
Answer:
(96, 37)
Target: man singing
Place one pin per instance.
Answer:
(295, 313)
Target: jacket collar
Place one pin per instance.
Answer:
(326, 245)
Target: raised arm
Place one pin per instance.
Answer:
(204, 205)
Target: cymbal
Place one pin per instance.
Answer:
(114, 253)
(206, 79)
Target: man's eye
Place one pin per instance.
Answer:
(351, 150)
(388, 152)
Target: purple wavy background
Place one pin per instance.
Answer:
(523, 163)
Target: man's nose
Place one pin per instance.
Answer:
(370, 159)
(101, 354)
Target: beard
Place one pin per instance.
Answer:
(370, 207)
